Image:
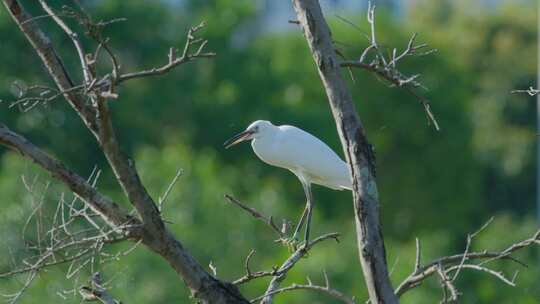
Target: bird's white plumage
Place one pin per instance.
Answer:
(300, 152)
(310, 159)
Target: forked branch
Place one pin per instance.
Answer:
(374, 60)
(326, 289)
(193, 48)
(448, 268)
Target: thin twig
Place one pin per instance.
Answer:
(531, 91)
(498, 275)
(163, 198)
(453, 262)
(467, 246)
(418, 255)
(326, 289)
(174, 60)
(386, 68)
(256, 214)
(290, 262)
(254, 275)
(74, 38)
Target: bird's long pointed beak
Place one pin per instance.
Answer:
(237, 139)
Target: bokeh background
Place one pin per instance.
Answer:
(435, 186)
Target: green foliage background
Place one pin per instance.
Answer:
(436, 186)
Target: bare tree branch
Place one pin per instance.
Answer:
(175, 60)
(111, 212)
(163, 198)
(447, 285)
(74, 38)
(358, 151)
(279, 274)
(289, 264)
(254, 275)
(96, 116)
(386, 68)
(258, 215)
(43, 47)
(310, 286)
(455, 263)
(44, 95)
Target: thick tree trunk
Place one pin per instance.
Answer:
(357, 150)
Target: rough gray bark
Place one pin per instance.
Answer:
(96, 116)
(357, 149)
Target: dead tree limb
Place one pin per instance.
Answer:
(42, 44)
(326, 289)
(110, 211)
(269, 220)
(374, 60)
(358, 151)
(455, 263)
(97, 117)
(289, 264)
(279, 274)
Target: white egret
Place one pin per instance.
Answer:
(310, 159)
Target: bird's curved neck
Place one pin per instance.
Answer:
(264, 143)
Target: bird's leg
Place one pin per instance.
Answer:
(309, 206)
(301, 222)
(292, 242)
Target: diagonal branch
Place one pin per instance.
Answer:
(125, 171)
(110, 211)
(74, 38)
(289, 263)
(358, 151)
(50, 58)
(256, 214)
